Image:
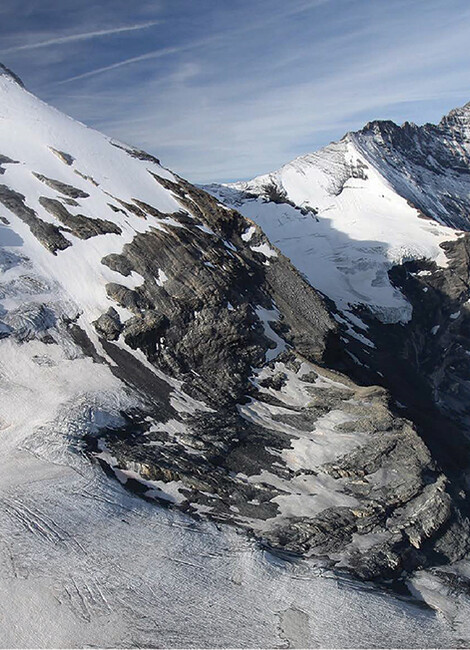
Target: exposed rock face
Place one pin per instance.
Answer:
(392, 504)
(4, 160)
(47, 233)
(391, 509)
(81, 226)
(220, 389)
(63, 188)
(424, 363)
(421, 355)
(63, 156)
(136, 153)
(109, 325)
(8, 73)
(429, 165)
(429, 355)
(206, 269)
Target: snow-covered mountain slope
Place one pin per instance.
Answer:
(364, 221)
(149, 329)
(178, 345)
(338, 217)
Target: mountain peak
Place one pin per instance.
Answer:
(6, 72)
(379, 125)
(457, 117)
(462, 110)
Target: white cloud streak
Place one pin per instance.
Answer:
(240, 93)
(155, 54)
(85, 36)
(250, 26)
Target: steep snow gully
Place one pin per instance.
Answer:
(203, 442)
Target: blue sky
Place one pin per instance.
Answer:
(227, 89)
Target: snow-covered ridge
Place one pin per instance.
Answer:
(6, 72)
(428, 165)
(344, 216)
(40, 142)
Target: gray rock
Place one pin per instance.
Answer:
(118, 263)
(146, 331)
(80, 225)
(47, 233)
(8, 73)
(64, 157)
(5, 160)
(109, 325)
(136, 153)
(63, 188)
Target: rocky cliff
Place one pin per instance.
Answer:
(162, 334)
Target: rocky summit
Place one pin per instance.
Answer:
(287, 355)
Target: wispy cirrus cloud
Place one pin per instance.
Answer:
(236, 30)
(148, 56)
(84, 36)
(228, 90)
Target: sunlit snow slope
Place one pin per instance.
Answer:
(98, 171)
(342, 221)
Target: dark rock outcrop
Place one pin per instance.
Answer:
(8, 73)
(5, 160)
(64, 157)
(62, 188)
(209, 267)
(78, 224)
(136, 153)
(47, 233)
(109, 325)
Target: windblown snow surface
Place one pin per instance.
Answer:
(84, 562)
